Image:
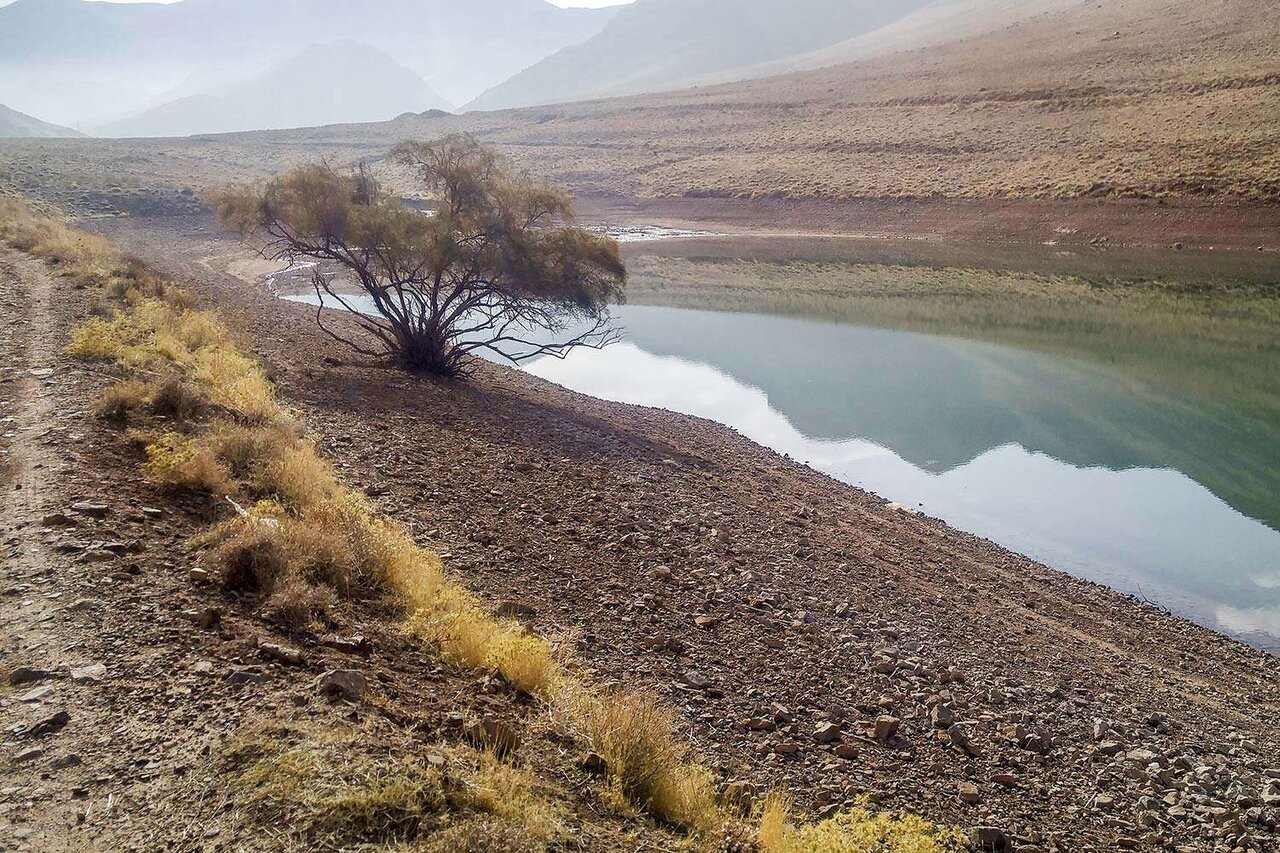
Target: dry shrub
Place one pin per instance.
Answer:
(857, 830)
(121, 400)
(647, 764)
(174, 397)
(298, 477)
(297, 604)
(507, 792)
(179, 462)
(247, 449)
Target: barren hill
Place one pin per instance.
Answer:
(16, 125)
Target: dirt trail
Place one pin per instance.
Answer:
(767, 601)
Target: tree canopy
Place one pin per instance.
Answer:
(493, 265)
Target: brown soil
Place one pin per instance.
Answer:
(763, 599)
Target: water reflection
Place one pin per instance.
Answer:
(1082, 467)
(1048, 456)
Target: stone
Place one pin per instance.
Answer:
(990, 839)
(203, 667)
(91, 674)
(58, 519)
(93, 509)
(198, 575)
(512, 609)
(245, 676)
(959, 737)
(969, 792)
(492, 734)
(47, 726)
(35, 695)
(283, 654)
(1008, 780)
(846, 751)
(740, 796)
(696, 680)
(65, 761)
(942, 715)
(342, 684)
(886, 727)
(28, 754)
(28, 675)
(827, 732)
(660, 573)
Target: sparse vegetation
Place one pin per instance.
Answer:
(492, 269)
(301, 542)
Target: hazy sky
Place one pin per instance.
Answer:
(592, 3)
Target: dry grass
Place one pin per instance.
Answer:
(339, 788)
(646, 763)
(857, 830)
(306, 541)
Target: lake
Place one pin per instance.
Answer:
(1111, 415)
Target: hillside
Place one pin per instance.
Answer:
(75, 61)
(1001, 125)
(665, 44)
(16, 125)
(325, 84)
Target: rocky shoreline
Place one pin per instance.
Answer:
(808, 631)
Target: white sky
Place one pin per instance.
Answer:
(594, 4)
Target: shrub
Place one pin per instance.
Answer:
(176, 461)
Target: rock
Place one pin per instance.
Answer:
(91, 674)
(989, 839)
(58, 519)
(740, 796)
(207, 619)
(594, 763)
(847, 751)
(696, 680)
(93, 509)
(199, 575)
(969, 792)
(65, 761)
(960, 738)
(661, 573)
(245, 676)
(28, 675)
(512, 609)
(284, 654)
(885, 727)
(203, 667)
(84, 605)
(28, 754)
(827, 732)
(1008, 780)
(492, 734)
(352, 645)
(152, 512)
(786, 748)
(46, 726)
(35, 695)
(942, 715)
(342, 684)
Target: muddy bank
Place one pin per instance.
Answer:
(1202, 225)
(791, 618)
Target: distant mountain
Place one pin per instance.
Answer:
(334, 83)
(16, 125)
(84, 63)
(656, 45)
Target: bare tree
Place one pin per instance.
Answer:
(494, 267)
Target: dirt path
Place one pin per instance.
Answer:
(117, 683)
(787, 614)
